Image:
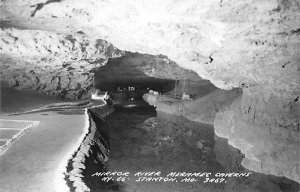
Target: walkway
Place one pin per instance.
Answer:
(34, 162)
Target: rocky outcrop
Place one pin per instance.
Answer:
(265, 131)
(92, 144)
(202, 110)
(51, 63)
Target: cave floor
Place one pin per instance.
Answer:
(141, 142)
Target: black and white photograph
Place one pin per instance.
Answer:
(149, 95)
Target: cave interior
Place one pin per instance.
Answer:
(194, 86)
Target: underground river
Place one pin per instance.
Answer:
(149, 152)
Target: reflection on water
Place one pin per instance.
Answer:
(139, 141)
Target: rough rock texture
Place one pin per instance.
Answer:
(232, 43)
(135, 66)
(92, 145)
(201, 110)
(268, 147)
(52, 63)
(250, 44)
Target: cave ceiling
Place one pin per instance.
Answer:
(231, 43)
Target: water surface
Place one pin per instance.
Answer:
(139, 141)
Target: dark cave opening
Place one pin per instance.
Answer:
(131, 76)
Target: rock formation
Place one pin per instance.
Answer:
(269, 139)
(52, 63)
(253, 45)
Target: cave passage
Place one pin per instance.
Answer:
(125, 78)
(218, 68)
(140, 140)
(131, 76)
